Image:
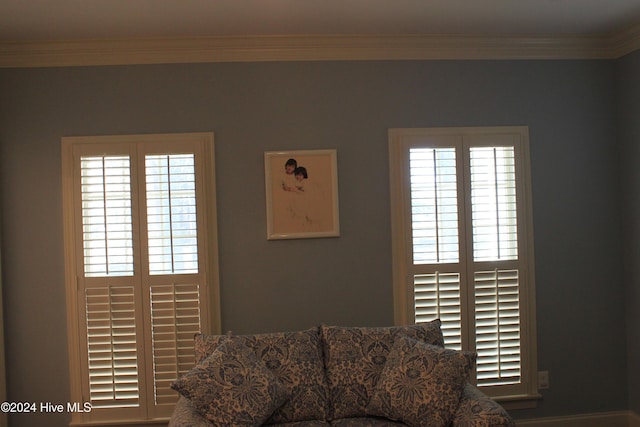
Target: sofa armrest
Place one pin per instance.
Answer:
(185, 415)
(479, 410)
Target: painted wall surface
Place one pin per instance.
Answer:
(629, 107)
(286, 285)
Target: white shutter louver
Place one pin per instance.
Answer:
(111, 342)
(493, 201)
(106, 216)
(171, 214)
(434, 205)
(437, 296)
(497, 308)
(175, 318)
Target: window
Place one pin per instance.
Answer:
(141, 268)
(463, 246)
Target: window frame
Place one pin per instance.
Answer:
(525, 395)
(202, 144)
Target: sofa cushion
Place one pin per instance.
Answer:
(185, 414)
(232, 387)
(365, 422)
(476, 408)
(296, 360)
(355, 357)
(421, 384)
(308, 423)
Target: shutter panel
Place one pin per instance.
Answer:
(111, 342)
(497, 313)
(495, 238)
(173, 250)
(135, 274)
(434, 205)
(106, 216)
(175, 318)
(171, 214)
(493, 202)
(437, 296)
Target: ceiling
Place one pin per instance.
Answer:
(52, 33)
(41, 20)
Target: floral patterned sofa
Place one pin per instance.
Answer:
(333, 376)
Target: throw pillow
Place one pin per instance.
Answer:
(295, 358)
(421, 385)
(232, 387)
(355, 357)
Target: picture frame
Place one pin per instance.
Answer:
(302, 194)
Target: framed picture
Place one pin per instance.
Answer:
(302, 194)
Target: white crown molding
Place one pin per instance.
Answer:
(625, 41)
(313, 48)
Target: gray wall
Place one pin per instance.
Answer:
(629, 124)
(279, 285)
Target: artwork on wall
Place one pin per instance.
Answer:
(302, 194)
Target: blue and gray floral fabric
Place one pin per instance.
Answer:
(295, 358)
(335, 376)
(355, 357)
(233, 387)
(478, 409)
(421, 384)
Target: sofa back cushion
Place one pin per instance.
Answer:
(354, 358)
(232, 387)
(296, 360)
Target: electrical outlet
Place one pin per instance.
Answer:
(543, 380)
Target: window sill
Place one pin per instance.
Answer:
(523, 401)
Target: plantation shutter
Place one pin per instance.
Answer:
(495, 244)
(141, 227)
(434, 205)
(173, 277)
(106, 215)
(435, 238)
(112, 322)
(497, 317)
(171, 214)
(465, 245)
(112, 350)
(493, 203)
(437, 296)
(175, 316)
